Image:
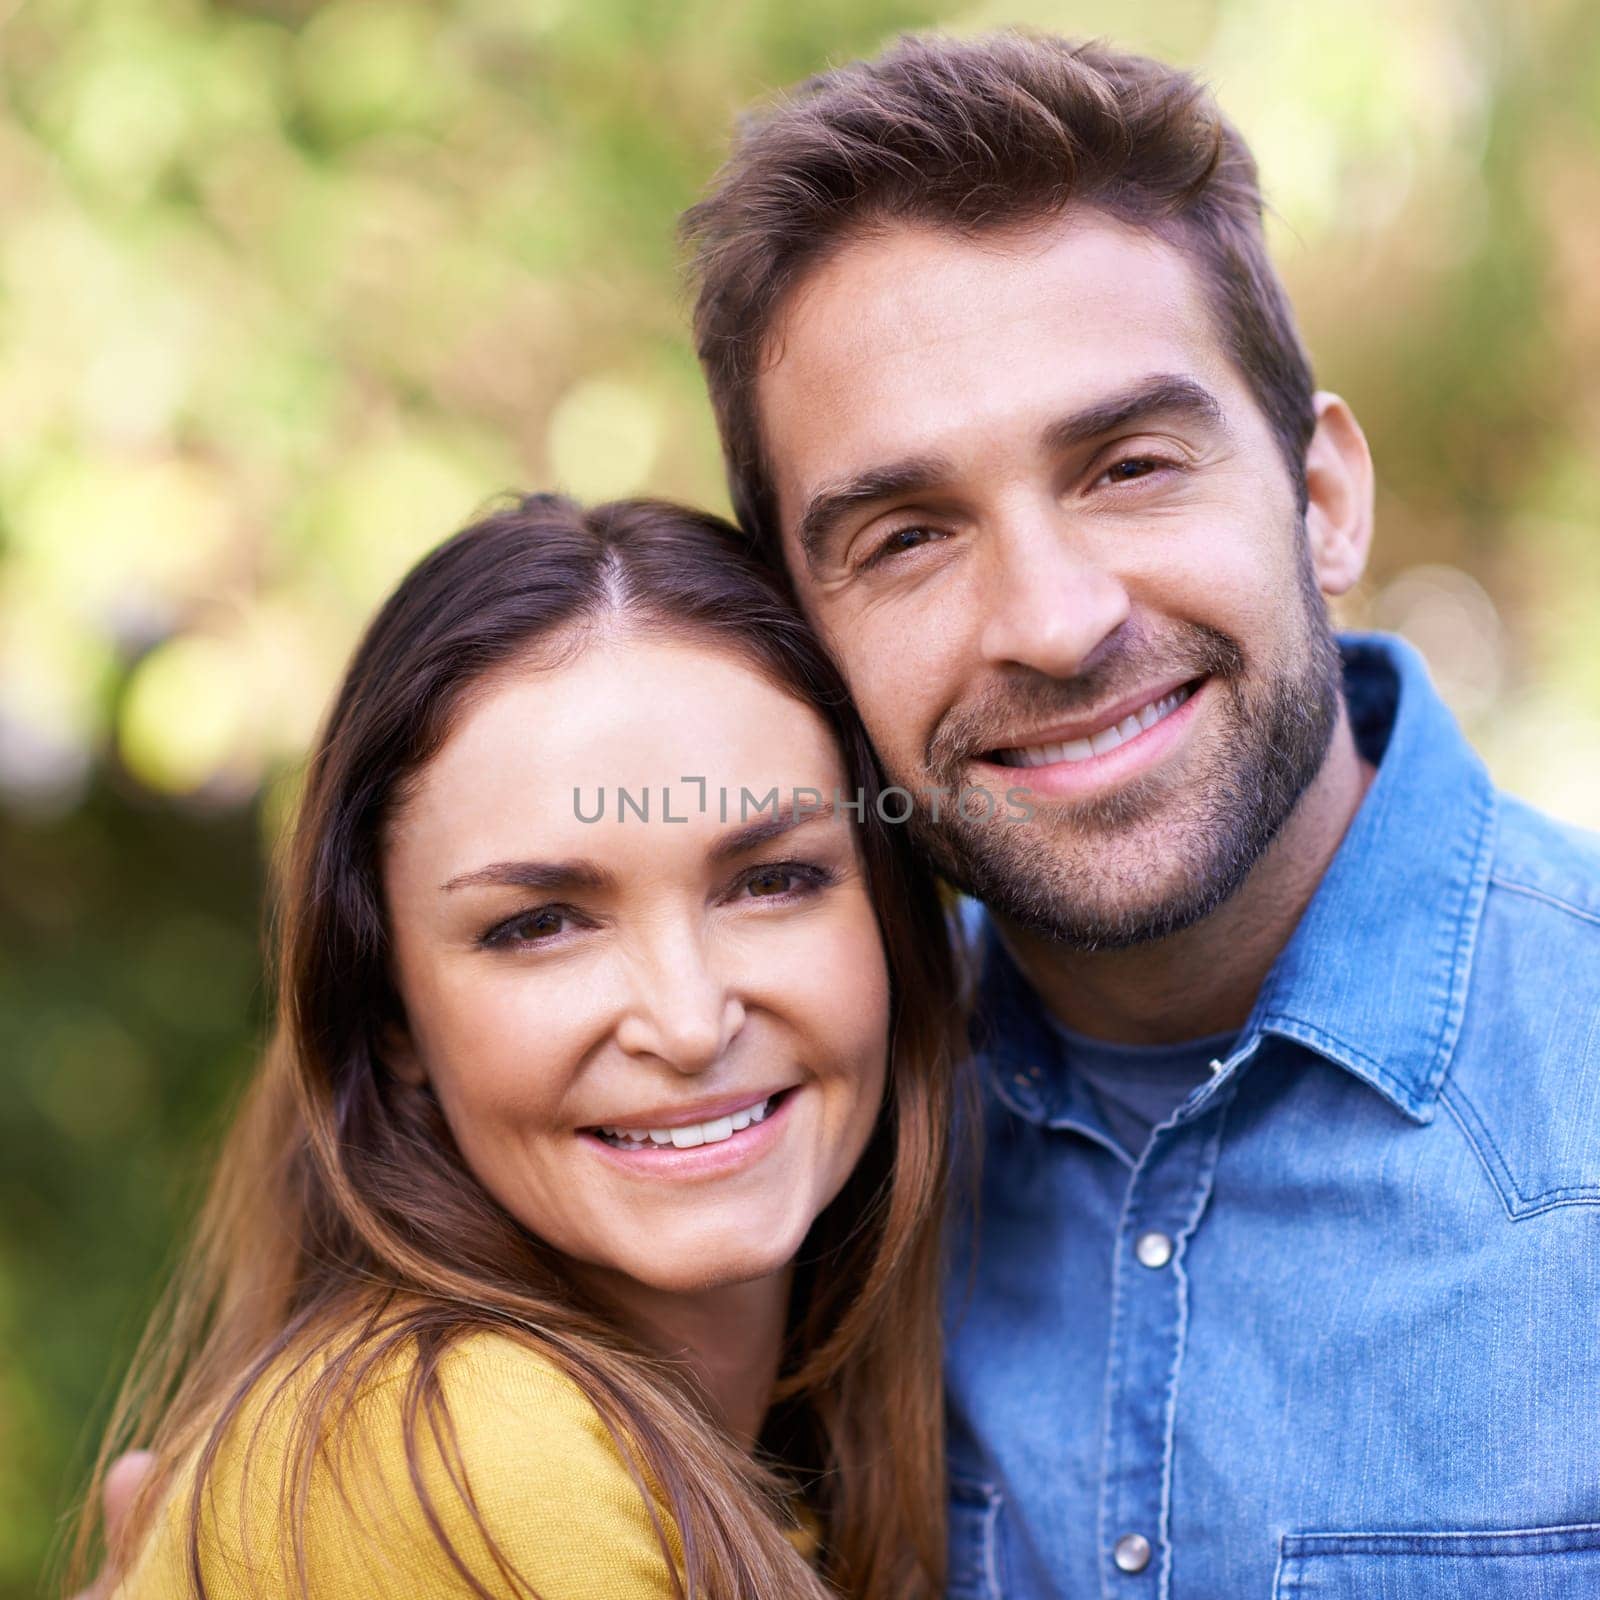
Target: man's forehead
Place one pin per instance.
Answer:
(917, 290)
(903, 341)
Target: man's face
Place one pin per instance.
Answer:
(1042, 523)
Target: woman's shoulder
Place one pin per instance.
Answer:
(520, 1471)
(499, 1386)
(539, 1446)
(495, 1377)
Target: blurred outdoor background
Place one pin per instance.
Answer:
(288, 290)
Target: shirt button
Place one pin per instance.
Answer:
(1132, 1553)
(1153, 1249)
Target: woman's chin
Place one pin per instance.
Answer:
(689, 1282)
(708, 1262)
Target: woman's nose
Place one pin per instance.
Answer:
(682, 1011)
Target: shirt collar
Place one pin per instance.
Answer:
(1374, 977)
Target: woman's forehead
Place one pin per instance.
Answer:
(545, 755)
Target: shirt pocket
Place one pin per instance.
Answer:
(974, 1541)
(1516, 1564)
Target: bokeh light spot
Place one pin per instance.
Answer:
(185, 714)
(603, 438)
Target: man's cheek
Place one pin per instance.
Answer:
(896, 724)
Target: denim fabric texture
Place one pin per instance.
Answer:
(1336, 1332)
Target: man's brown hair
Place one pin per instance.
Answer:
(974, 135)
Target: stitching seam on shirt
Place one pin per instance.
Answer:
(1546, 898)
(991, 1546)
(1204, 1187)
(1283, 1586)
(1468, 1118)
(1480, 866)
(1113, 1378)
(1323, 1542)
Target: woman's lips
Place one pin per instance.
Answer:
(724, 1154)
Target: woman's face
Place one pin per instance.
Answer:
(659, 1044)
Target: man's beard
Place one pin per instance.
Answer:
(1272, 745)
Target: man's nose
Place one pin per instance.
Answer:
(1047, 603)
(681, 1010)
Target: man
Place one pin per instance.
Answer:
(1287, 1279)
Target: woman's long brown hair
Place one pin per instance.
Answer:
(343, 1229)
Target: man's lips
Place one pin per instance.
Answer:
(1099, 733)
(1067, 775)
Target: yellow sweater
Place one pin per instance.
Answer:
(546, 1476)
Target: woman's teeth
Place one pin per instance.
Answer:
(687, 1138)
(1131, 726)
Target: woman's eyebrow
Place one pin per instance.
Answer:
(581, 874)
(785, 819)
(575, 874)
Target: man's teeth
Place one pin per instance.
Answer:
(1132, 725)
(687, 1138)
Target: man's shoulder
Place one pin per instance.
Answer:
(1524, 1082)
(1547, 862)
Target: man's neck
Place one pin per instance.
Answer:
(1205, 979)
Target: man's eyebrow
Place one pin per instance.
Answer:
(1162, 395)
(828, 507)
(786, 819)
(534, 875)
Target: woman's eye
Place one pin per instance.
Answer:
(781, 879)
(770, 881)
(531, 927)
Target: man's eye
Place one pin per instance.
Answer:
(530, 927)
(1131, 468)
(900, 540)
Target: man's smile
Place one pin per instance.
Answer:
(1096, 736)
(1112, 754)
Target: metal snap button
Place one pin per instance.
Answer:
(1153, 1250)
(1132, 1553)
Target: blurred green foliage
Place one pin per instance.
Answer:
(288, 290)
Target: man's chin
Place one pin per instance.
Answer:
(1097, 917)
(1161, 853)
(1114, 887)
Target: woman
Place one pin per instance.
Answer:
(579, 1237)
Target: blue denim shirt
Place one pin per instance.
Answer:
(1336, 1333)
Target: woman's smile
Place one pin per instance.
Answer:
(709, 1146)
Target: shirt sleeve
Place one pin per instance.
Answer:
(549, 1484)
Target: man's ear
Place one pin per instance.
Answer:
(399, 1053)
(1338, 496)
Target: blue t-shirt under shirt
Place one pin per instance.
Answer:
(1136, 1086)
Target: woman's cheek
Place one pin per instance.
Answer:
(506, 1053)
(851, 991)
